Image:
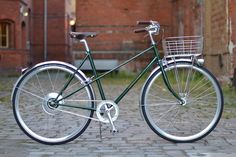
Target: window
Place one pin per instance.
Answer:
(4, 34)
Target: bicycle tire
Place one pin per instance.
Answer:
(182, 123)
(36, 118)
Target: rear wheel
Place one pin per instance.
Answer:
(193, 120)
(37, 114)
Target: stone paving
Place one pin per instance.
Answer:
(134, 139)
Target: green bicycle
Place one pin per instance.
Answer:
(181, 101)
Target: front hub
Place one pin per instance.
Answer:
(183, 98)
(184, 101)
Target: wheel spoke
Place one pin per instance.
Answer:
(191, 120)
(33, 107)
(50, 80)
(28, 92)
(40, 86)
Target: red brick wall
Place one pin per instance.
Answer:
(10, 10)
(232, 13)
(58, 45)
(12, 61)
(30, 30)
(37, 37)
(187, 17)
(115, 20)
(16, 56)
(216, 33)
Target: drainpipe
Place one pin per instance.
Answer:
(45, 30)
(231, 45)
(202, 10)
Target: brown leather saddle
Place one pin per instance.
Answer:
(83, 35)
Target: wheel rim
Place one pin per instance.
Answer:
(176, 122)
(42, 121)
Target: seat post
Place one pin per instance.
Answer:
(85, 44)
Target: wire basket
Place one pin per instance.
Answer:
(183, 46)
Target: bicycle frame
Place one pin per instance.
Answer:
(156, 59)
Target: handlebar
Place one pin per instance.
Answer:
(153, 27)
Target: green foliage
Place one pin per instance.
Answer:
(229, 101)
(229, 96)
(6, 85)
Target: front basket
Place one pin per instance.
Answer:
(183, 46)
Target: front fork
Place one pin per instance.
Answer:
(167, 82)
(194, 60)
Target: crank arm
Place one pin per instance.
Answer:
(114, 130)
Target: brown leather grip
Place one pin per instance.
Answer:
(144, 22)
(140, 30)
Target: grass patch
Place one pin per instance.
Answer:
(7, 83)
(229, 101)
(5, 99)
(229, 96)
(228, 114)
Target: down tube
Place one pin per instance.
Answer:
(135, 81)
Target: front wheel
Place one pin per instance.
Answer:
(194, 119)
(33, 107)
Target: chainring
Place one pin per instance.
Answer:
(106, 107)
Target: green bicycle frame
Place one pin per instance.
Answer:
(156, 59)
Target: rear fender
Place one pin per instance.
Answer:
(25, 71)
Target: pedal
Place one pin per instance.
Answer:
(114, 131)
(102, 112)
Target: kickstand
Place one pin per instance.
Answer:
(100, 130)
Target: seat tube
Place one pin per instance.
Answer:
(101, 91)
(88, 52)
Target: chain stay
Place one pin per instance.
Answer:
(98, 112)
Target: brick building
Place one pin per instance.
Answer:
(22, 32)
(219, 34)
(14, 29)
(56, 45)
(213, 19)
(115, 21)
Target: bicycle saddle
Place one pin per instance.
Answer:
(82, 35)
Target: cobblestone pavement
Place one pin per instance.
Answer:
(134, 139)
